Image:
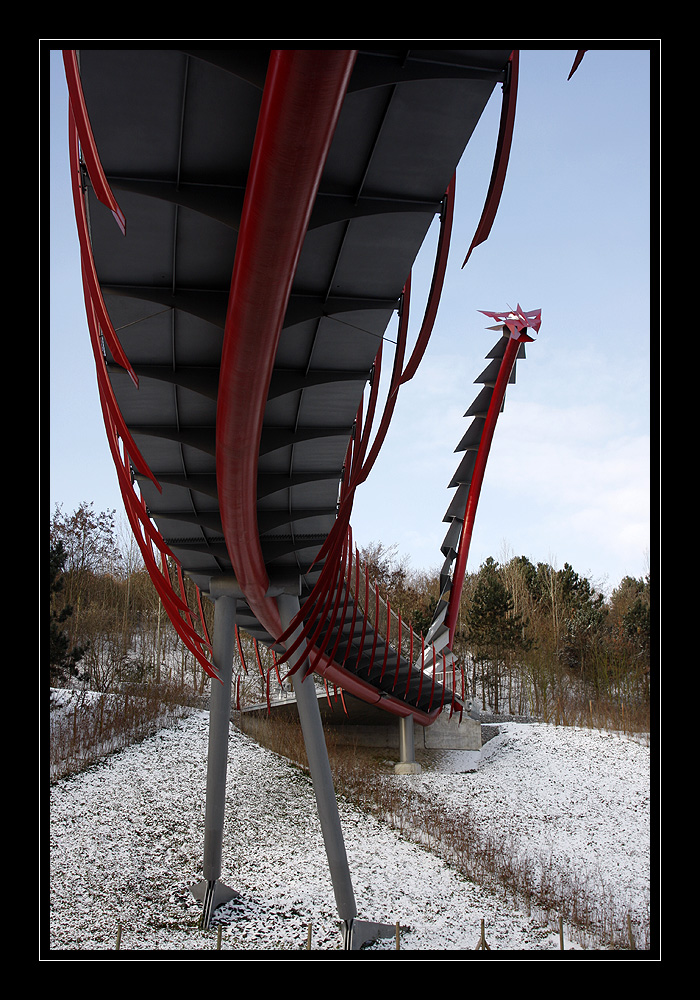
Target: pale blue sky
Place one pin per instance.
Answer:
(570, 474)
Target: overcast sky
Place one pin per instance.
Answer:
(572, 468)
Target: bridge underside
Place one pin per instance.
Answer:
(176, 132)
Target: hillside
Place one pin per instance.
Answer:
(126, 842)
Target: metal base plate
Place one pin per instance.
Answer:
(360, 932)
(222, 893)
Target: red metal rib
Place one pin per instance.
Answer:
(352, 684)
(439, 268)
(500, 165)
(86, 257)
(577, 62)
(87, 139)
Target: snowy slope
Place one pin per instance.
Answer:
(126, 845)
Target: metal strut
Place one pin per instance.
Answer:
(355, 932)
(211, 892)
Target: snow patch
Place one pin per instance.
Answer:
(126, 844)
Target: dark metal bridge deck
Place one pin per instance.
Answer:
(269, 208)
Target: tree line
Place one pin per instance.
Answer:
(534, 639)
(530, 639)
(108, 628)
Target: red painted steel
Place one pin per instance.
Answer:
(500, 165)
(376, 629)
(276, 666)
(452, 703)
(146, 537)
(303, 94)
(436, 285)
(364, 618)
(104, 388)
(577, 62)
(346, 599)
(317, 660)
(202, 618)
(361, 457)
(368, 460)
(387, 638)
(256, 647)
(432, 682)
(86, 258)
(398, 658)
(422, 669)
(87, 139)
(352, 684)
(354, 607)
(325, 618)
(240, 650)
(318, 619)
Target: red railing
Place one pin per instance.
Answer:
(361, 456)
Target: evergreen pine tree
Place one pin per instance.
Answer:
(493, 631)
(63, 661)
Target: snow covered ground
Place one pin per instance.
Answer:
(126, 845)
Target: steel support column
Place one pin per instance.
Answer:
(211, 891)
(355, 932)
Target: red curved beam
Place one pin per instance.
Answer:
(358, 465)
(577, 62)
(500, 165)
(146, 536)
(354, 685)
(368, 460)
(87, 139)
(302, 98)
(438, 279)
(86, 256)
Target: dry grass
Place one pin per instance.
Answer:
(85, 726)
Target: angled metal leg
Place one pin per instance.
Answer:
(355, 932)
(317, 754)
(211, 892)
